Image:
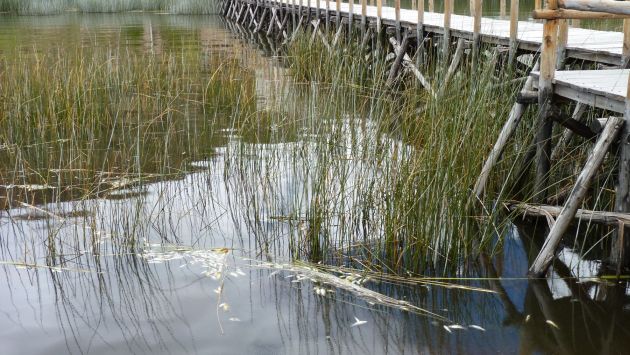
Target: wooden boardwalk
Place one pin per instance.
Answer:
(605, 89)
(593, 45)
(553, 89)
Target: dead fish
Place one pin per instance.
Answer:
(225, 307)
(477, 327)
(551, 323)
(234, 319)
(447, 329)
(358, 322)
(456, 326)
(528, 317)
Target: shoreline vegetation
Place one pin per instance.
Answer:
(387, 182)
(51, 7)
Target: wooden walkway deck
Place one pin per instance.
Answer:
(605, 89)
(592, 45)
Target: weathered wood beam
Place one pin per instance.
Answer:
(513, 31)
(607, 6)
(583, 215)
(583, 181)
(620, 252)
(409, 64)
(545, 95)
(459, 52)
(514, 118)
(574, 14)
(400, 54)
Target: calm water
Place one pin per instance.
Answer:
(198, 264)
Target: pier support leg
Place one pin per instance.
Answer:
(393, 73)
(594, 161)
(620, 253)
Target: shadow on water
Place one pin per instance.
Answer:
(196, 261)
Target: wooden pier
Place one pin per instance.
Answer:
(548, 85)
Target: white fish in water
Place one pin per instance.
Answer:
(447, 329)
(528, 317)
(477, 327)
(358, 322)
(456, 326)
(225, 307)
(234, 319)
(551, 323)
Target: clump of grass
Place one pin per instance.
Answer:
(82, 120)
(408, 180)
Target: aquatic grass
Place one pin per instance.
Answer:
(81, 122)
(409, 201)
(48, 7)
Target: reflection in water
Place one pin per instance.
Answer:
(179, 265)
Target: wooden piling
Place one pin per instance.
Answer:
(625, 54)
(595, 159)
(545, 95)
(448, 10)
(420, 34)
(563, 37)
(350, 15)
(514, 12)
(502, 9)
(338, 11)
(620, 251)
(363, 15)
(514, 119)
(393, 73)
(379, 15)
(397, 17)
(476, 12)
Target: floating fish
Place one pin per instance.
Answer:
(551, 323)
(477, 327)
(528, 317)
(225, 307)
(234, 319)
(447, 329)
(456, 326)
(358, 322)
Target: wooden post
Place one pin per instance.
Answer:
(625, 54)
(420, 34)
(327, 15)
(431, 5)
(350, 15)
(338, 11)
(516, 113)
(621, 246)
(448, 10)
(397, 14)
(537, 4)
(513, 31)
(545, 95)
(379, 15)
(393, 73)
(476, 10)
(363, 15)
(563, 37)
(582, 184)
(502, 9)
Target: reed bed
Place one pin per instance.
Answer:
(48, 7)
(80, 122)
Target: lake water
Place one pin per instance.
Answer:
(200, 263)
